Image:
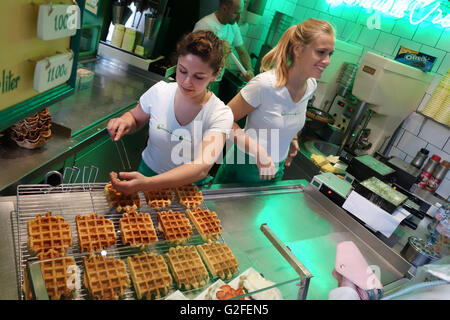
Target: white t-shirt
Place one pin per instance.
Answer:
(228, 32)
(171, 144)
(276, 118)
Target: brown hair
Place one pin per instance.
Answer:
(282, 55)
(206, 45)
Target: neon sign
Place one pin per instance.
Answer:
(417, 10)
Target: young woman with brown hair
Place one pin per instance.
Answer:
(275, 102)
(187, 123)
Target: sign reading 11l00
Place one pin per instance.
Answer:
(57, 21)
(52, 71)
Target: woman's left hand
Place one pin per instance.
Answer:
(133, 181)
(293, 150)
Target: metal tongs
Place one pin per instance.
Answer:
(71, 175)
(123, 155)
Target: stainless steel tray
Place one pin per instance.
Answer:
(71, 200)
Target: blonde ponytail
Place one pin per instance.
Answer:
(282, 55)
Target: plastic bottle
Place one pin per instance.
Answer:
(441, 214)
(420, 158)
(427, 171)
(440, 238)
(439, 174)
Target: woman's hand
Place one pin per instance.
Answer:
(293, 150)
(266, 167)
(134, 181)
(117, 128)
(129, 122)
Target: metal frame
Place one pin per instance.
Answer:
(302, 271)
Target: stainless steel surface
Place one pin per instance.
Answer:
(308, 223)
(8, 275)
(416, 252)
(304, 273)
(116, 87)
(69, 201)
(354, 122)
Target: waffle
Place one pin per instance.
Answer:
(151, 277)
(189, 196)
(49, 232)
(206, 222)
(219, 259)
(121, 201)
(59, 274)
(95, 233)
(175, 226)
(187, 267)
(159, 199)
(137, 229)
(105, 278)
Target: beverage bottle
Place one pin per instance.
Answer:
(428, 169)
(441, 214)
(420, 158)
(439, 174)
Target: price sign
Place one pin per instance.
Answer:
(57, 21)
(52, 72)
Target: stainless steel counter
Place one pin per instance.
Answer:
(79, 119)
(304, 219)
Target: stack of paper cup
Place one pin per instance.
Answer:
(118, 33)
(437, 107)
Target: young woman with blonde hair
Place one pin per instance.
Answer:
(275, 102)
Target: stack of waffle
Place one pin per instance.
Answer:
(49, 232)
(159, 199)
(50, 237)
(220, 260)
(151, 277)
(175, 226)
(120, 201)
(105, 278)
(189, 196)
(206, 222)
(34, 131)
(137, 229)
(95, 233)
(187, 267)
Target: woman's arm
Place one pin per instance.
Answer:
(240, 109)
(211, 148)
(129, 122)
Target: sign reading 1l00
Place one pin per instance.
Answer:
(57, 21)
(52, 72)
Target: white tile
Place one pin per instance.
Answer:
(409, 158)
(434, 133)
(400, 133)
(386, 43)
(445, 65)
(413, 123)
(435, 150)
(444, 188)
(299, 14)
(306, 3)
(289, 8)
(447, 147)
(434, 82)
(397, 153)
(423, 103)
(410, 144)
